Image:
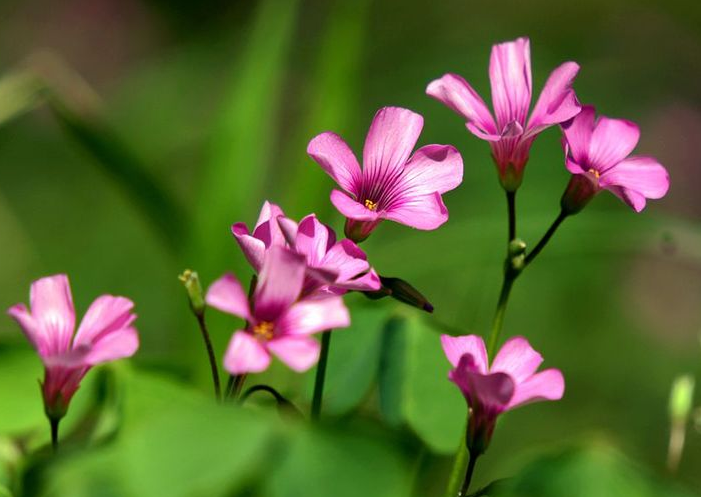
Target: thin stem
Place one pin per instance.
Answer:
(498, 320)
(511, 205)
(320, 375)
(210, 353)
(546, 238)
(229, 386)
(459, 465)
(235, 385)
(54, 433)
(468, 475)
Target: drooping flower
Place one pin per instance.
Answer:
(332, 266)
(266, 234)
(597, 156)
(511, 381)
(105, 334)
(279, 322)
(511, 131)
(393, 184)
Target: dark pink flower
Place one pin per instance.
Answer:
(332, 266)
(393, 184)
(511, 381)
(105, 334)
(266, 234)
(511, 131)
(279, 322)
(597, 155)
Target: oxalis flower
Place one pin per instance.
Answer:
(266, 234)
(511, 381)
(393, 184)
(511, 131)
(105, 334)
(278, 322)
(597, 156)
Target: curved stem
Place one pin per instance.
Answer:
(210, 354)
(498, 321)
(320, 375)
(468, 475)
(511, 206)
(546, 238)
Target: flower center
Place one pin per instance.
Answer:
(594, 172)
(370, 204)
(264, 329)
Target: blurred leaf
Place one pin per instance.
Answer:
(243, 144)
(353, 359)
(392, 367)
(20, 395)
(20, 91)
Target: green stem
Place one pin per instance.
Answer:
(511, 206)
(54, 433)
(210, 354)
(320, 375)
(546, 238)
(468, 475)
(459, 466)
(498, 321)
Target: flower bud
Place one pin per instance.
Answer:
(191, 281)
(402, 291)
(359, 231)
(580, 190)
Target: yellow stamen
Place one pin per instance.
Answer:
(594, 172)
(264, 329)
(370, 204)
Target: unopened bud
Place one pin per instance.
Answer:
(580, 190)
(404, 292)
(194, 291)
(358, 231)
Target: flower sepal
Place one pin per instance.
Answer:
(580, 190)
(510, 176)
(402, 291)
(359, 231)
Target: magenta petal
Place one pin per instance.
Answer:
(456, 347)
(346, 259)
(337, 159)
(472, 128)
(611, 142)
(300, 353)
(546, 385)
(578, 132)
(368, 282)
(279, 284)
(288, 228)
(29, 327)
(453, 91)
(488, 392)
(314, 315)
(52, 310)
(643, 175)
(227, 295)
(313, 239)
(433, 168)
(104, 316)
(517, 358)
(245, 355)
(510, 77)
(557, 102)
(253, 249)
(424, 212)
(118, 344)
(269, 212)
(352, 209)
(390, 141)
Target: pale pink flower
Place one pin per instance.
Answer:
(105, 334)
(266, 234)
(511, 131)
(393, 184)
(332, 266)
(511, 381)
(597, 154)
(278, 322)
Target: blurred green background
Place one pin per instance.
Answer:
(169, 121)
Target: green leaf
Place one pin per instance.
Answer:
(20, 395)
(392, 367)
(20, 92)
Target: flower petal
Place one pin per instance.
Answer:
(578, 132)
(546, 385)
(346, 259)
(118, 344)
(300, 353)
(643, 175)
(253, 249)
(313, 315)
(390, 141)
(245, 355)
(288, 228)
(453, 91)
(456, 347)
(352, 209)
(313, 239)
(557, 102)
(29, 326)
(493, 392)
(268, 212)
(279, 284)
(336, 158)
(227, 295)
(424, 212)
(107, 314)
(611, 142)
(433, 168)
(517, 358)
(52, 310)
(510, 77)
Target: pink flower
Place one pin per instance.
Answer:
(597, 156)
(393, 184)
(510, 382)
(266, 234)
(277, 321)
(332, 266)
(510, 132)
(105, 334)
